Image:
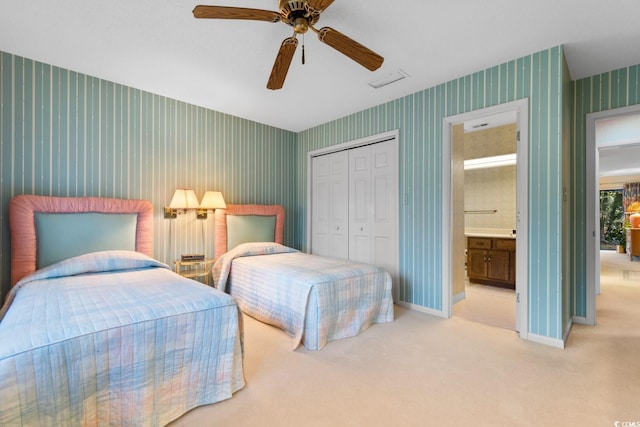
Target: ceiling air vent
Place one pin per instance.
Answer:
(388, 79)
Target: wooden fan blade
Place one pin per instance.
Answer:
(223, 12)
(320, 5)
(351, 48)
(282, 63)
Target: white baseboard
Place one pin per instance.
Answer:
(541, 339)
(580, 320)
(422, 309)
(565, 336)
(457, 298)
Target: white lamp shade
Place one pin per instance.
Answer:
(212, 200)
(184, 199)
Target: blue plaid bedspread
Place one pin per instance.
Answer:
(115, 338)
(314, 299)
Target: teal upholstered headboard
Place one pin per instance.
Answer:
(238, 224)
(250, 228)
(65, 235)
(74, 226)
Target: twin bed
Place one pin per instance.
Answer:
(99, 332)
(95, 331)
(313, 299)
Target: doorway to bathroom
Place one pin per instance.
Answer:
(503, 257)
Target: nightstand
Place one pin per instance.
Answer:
(196, 270)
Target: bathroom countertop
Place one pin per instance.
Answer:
(501, 236)
(490, 232)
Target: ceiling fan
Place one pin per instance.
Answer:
(301, 15)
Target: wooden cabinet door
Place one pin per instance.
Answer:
(512, 268)
(477, 263)
(499, 265)
(634, 242)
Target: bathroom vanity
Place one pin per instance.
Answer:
(491, 260)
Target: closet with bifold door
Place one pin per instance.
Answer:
(354, 204)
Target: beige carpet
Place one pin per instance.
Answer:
(424, 371)
(489, 305)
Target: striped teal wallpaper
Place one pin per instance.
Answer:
(615, 89)
(568, 238)
(64, 133)
(68, 134)
(419, 117)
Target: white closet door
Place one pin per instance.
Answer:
(339, 229)
(354, 204)
(330, 205)
(320, 205)
(360, 212)
(373, 186)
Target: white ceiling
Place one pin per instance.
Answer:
(157, 46)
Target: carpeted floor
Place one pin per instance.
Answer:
(421, 370)
(489, 305)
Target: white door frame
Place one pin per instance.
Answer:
(521, 107)
(592, 232)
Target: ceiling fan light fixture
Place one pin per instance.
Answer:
(300, 25)
(292, 5)
(388, 79)
(292, 11)
(301, 15)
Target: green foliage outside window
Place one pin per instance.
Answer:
(612, 218)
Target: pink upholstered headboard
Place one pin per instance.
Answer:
(263, 210)
(23, 229)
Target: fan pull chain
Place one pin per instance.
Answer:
(303, 49)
